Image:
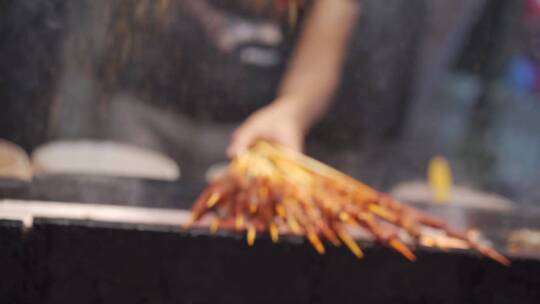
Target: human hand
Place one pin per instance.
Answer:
(276, 122)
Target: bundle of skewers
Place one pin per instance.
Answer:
(269, 189)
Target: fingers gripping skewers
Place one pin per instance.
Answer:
(270, 189)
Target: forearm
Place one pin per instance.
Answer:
(314, 70)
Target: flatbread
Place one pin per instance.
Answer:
(14, 162)
(104, 158)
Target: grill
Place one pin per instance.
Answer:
(52, 253)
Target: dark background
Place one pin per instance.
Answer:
(421, 79)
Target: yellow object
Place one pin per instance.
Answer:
(350, 243)
(239, 222)
(213, 200)
(382, 212)
(251, 234)
(403, 249)
(280, 210)
(316, 242)
(274, 233)
(440, 179)
(214, 226)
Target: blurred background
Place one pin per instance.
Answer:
(168, 81)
